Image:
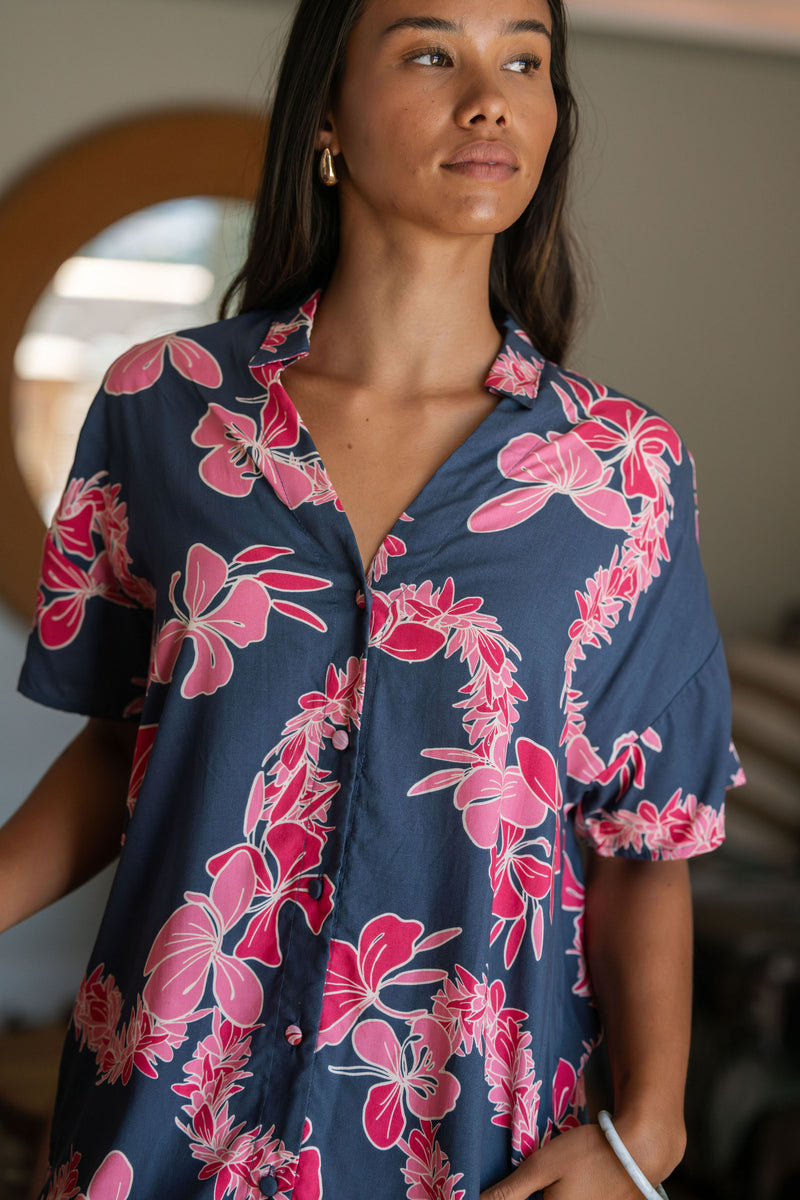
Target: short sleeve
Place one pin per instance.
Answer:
(89, 649)
(655, 758)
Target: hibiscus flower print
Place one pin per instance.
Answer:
(240, 450)
(141, 366)
(188, 949)
(221, 607)
(356, 977)
(559, 464)
(644, 440)
(412, 1076)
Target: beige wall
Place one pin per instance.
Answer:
(690, 203)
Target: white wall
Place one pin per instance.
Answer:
(688, 199)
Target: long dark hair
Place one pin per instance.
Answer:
(294, 238)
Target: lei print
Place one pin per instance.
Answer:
(91, 523)
(112, 1180)
(201, 997)
(607, 433)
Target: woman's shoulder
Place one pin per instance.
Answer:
(585, 400)
(206, 355)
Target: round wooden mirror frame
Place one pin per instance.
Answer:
(63, 203)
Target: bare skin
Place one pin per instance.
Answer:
(392, 385)
(69, 827)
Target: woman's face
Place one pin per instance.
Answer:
(445, 114)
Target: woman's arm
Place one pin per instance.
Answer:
(69, 827)
(639, 948)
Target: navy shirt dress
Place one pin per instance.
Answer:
(343, 951)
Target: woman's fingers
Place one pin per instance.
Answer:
(530, 1176)
(577, 1165)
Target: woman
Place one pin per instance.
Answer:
(416, 609)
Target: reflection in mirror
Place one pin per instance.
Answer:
(161, 269)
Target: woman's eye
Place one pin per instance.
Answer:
(526, 65)
(432, 57)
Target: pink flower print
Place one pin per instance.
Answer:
(240, 450)
(520, 880)
(189, 947)
(522, 795)
(355, 978)
(410, 636)
(573, 892)
(572, 900)
(412, 1075)
(427, 1169)
(460, 1007)
(392, 547)
(62, 1183)
(628, 761)
(210, 623)
(112, 1180)
(297, 853)
(112, 524)
(583, 761)
(601, 604)
(510, 1072)
(515, 375)
(141, 756)
(120, 1047)
(644, 440)
(284, 581)
(567, 1095)
(74, 520)
(234, 1157)
(142, 365)
(280, 331)
(61, 618)
(682, 829)
(306, 1183)
(562, 464)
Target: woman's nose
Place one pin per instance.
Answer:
(482, 101)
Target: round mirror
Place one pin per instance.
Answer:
(83, 238)
(158, 270)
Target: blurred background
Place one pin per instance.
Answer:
(131, 137)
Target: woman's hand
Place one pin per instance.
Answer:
(576, 1165)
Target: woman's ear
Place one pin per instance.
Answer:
(326, 136)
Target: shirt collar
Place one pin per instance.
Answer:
(516, 372)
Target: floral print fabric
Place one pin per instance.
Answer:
(345, 937)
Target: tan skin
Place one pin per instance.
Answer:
(385, 408)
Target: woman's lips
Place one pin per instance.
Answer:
(484, 160)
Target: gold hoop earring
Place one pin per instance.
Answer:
(327, 171)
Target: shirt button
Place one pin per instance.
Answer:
(315, 887)
(294, 1036)
(340, 739)
(268, 1185)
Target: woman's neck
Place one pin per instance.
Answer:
(408, 313)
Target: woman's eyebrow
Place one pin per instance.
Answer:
(433, 24)
(439, 25)
(525, 26)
